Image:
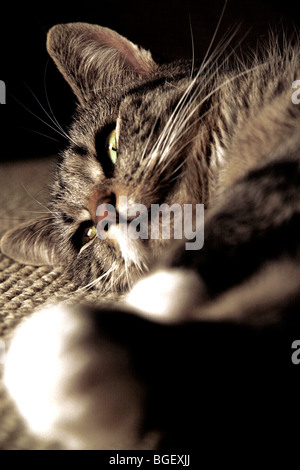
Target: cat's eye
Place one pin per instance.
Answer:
(111, 147)
(88, 234)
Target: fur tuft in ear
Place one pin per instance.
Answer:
(31, 243)
(92, 57)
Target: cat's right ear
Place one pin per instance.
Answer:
(92, 57)
(34, 242)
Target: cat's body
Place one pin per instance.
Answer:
(225, 137)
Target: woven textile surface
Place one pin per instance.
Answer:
(24, 191)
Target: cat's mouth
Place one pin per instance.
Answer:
(119, 221)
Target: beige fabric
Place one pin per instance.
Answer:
(23, 288)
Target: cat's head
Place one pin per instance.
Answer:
(132, 142)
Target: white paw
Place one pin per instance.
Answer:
(167, 295)
(72, 384)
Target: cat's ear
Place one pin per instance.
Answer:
(32, 242)
(92, 57)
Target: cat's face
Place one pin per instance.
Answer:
(133, 141)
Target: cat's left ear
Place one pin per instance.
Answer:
(34, 242)
(92, 57)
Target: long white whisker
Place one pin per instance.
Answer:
(107, 273)
(40, 212)
(179, 132)
(218, 52)
(39, 133)
(38, 117)
(164, 139)
(62, 133)
(148, 140)
(183, 119)
(33, 222)
(36, 200)
(43, 109)
(215, 33)
(54, 120)
(193, 48)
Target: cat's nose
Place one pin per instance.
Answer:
(113, 210)
(113, 206)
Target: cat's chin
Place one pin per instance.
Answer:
(133, 251)
(73, 385)
(167, 295)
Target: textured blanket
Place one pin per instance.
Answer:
(24, 190)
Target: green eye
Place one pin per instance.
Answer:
(111, 147)
(88, 234)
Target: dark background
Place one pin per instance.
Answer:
(161, 26)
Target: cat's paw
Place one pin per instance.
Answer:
(167, 295)
(72, 383)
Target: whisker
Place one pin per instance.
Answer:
(49, 105)
(215, 32)
(39, 133)
(40, 212)
(193, 48)
(183, 119)
(163, 139)
(217, 53)
(148, 140)
(37, 117)
(32, 222)
(14, 218)
(43, 109)
(181, 134)
(36, 200)
(107, 273)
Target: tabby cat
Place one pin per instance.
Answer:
(201, 337)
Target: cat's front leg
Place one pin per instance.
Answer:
(167, 294)
(74, 383)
